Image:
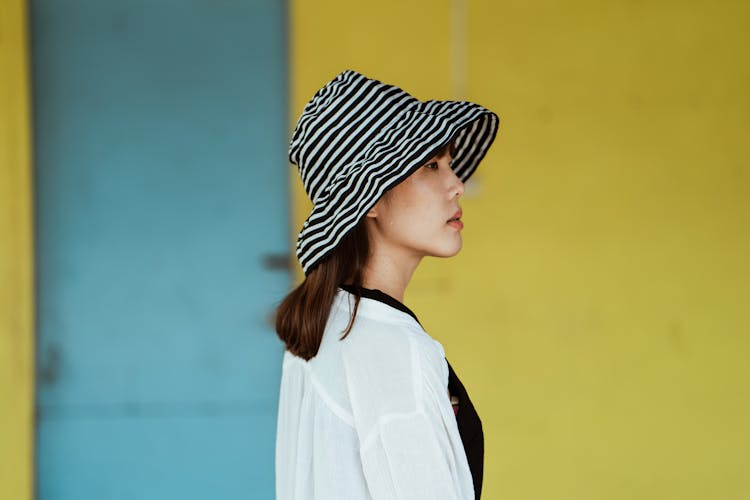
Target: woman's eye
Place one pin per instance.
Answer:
(430, 165)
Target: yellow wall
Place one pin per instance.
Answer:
(16, 260)
(598, 310)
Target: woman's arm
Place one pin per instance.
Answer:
(398, 397)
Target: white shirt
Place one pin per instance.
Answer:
(369, 417)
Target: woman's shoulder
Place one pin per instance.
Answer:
(376, 322)
(386, 364)
(383, 336)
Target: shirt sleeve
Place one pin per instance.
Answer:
(397, 381)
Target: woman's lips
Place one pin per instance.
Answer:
(457, 215)
(456, 223)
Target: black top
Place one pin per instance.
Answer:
(469, 424)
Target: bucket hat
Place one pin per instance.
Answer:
(357, 137)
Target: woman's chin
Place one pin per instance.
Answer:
(449, 250)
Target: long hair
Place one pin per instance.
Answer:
(302, 316)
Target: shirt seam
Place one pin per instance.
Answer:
(332, 405)
(418, 395)
(329, 402)
(385, 419)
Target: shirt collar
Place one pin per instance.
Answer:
(380, 296)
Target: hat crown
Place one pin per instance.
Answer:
(338, 123)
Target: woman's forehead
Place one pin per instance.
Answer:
(441, 154)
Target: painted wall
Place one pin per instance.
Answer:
(16, 259)
(160, 198)
(597, 312)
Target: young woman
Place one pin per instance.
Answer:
(369, 407)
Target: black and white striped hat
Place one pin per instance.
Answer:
(359, 137)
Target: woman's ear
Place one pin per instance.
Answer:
(373, 212)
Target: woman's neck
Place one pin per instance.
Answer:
(389, 275)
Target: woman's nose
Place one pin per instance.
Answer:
(460, 188)
(457, 187)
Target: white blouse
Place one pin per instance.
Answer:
(369, 417)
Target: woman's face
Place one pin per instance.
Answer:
(412, 218)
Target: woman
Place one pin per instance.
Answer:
(365, 407)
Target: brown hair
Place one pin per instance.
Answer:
(302, 315)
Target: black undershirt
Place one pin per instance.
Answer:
(469, 424)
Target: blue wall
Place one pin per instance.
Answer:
(160, 155)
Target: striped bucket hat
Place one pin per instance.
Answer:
(359, 137)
